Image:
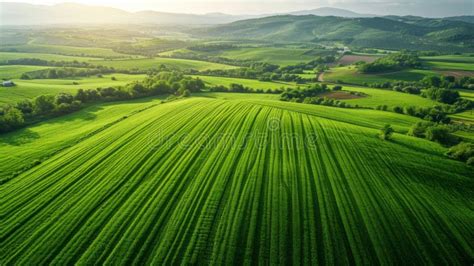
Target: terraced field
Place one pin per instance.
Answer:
(27, 89)
(216, 181)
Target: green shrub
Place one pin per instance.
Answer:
(470, 161)
(386, 132)
(461, 152)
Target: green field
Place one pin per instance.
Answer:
(467, 94)
(15, 71)
(166, 172)
(5, 56)
(466, 116)
(251, 83)
(376, 97)
(158, 184)
(351, 76)
(150, 63)
(273, 55)
(278, 56)
(450, 58)
(27, 89)
(65, 50)
(450, 65)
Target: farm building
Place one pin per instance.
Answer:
(8, 83)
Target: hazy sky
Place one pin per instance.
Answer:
(397, 7)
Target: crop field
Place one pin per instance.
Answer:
(278, 56)
(350, 59)
(450, 58)
(273, 55)
(150, 63)
(390, 98)
(27, 89)
(212, 181)
(350, 75)
(15, 71)
(20, 149)
(441, 65)
(65, 50)
(251, 83)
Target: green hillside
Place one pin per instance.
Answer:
(352, 76)
(183, 183)
(375, 32)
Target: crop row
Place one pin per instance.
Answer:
(214, 182)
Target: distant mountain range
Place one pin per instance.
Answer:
(390, 32)
(330, 11)
(69, 13)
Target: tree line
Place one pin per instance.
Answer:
(391, 62)
(43, 107)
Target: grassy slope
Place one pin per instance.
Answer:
(122, 195)
(138, 63)
(466, 116)
(27, 89)
(468, 94)
(66, 50)
(4, 56)
(279, 56)
(252, 83)
(15, 71)
(23, 147)
(387, 97)
(274, 55)
(450, 65)
(350, 75)
(156, 62)
(450, 58)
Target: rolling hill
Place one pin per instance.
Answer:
(388, 33)
(161, 184)
(331, 11)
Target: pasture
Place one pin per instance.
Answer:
(441, 65)
(161, 185)
(351, 76)
(27, 89)
(5, 56)
(251, 83)
(154, 63)
(15, 71)
(376, 97)
(272, 55)
(65, 50)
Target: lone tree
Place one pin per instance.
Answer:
(386, 132)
